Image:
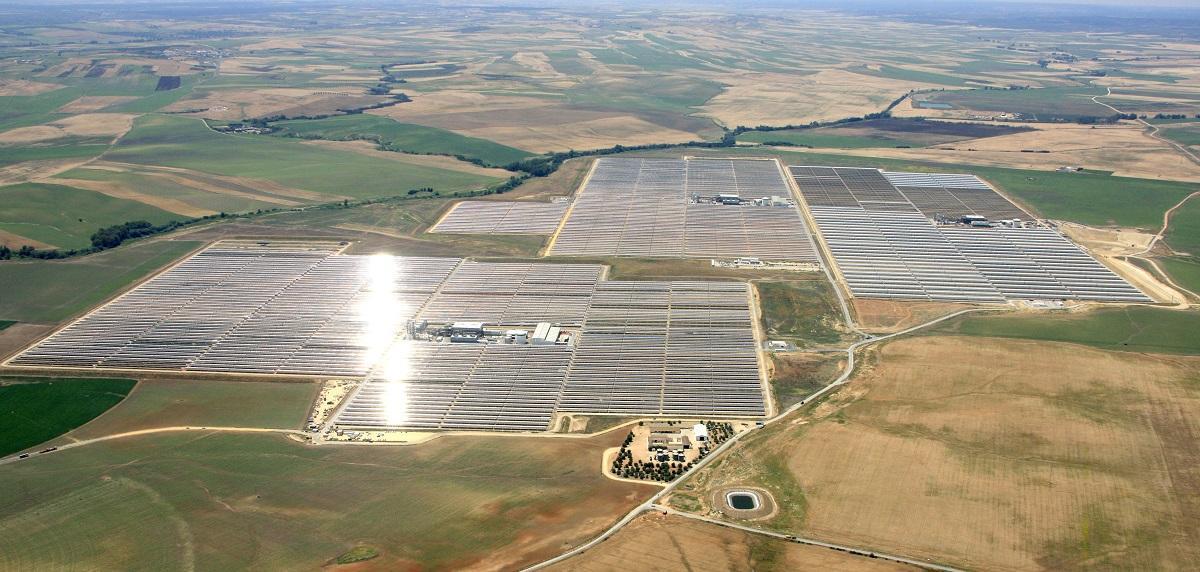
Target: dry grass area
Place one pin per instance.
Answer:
(437, 161)
(26, 171)
(90, 103)
(10, 87)
(533, 123)
(656, 542)
(886, 316)
(234, 104)
(1124, 149)
(994, 454)
(84, 125)
(561, 183)
(777, 98)
(12, 239)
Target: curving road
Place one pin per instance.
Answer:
(844, 378)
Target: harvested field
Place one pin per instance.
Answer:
(85, 125)
(533, 124)
(267, 502)
(885, 316)
(1124, 150)
(91, 103)
(883, 133)
(235, 104)
(993, 454)
(779, 98)
(655, 542)
(11, 87)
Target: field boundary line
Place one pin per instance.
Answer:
(140, 432)
(866, 553)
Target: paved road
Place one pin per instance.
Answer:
(841, 380)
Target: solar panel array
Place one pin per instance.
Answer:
(640, 207)
(677, 348)
(252, 310)
(886, 246)
(491, 387)
(666, 348)
(502, 217)
(516, 294)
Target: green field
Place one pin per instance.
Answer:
(34, 410)
(46, 291)
(1184, 233)
(1043, 104)
(189, 144)
(1185, 271)
(169, 189)
(823, 138)
(905, 74)
(264, 502)
(207, 403)
(67, 217)
(1136, 328)
(1091, 198)
(805, 312)
(1182, 135)
(6, 323)
(27, 110)
(62, 149)
(405, 137)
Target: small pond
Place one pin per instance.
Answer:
(743, 500)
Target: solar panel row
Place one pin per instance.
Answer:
(268, 310)
(492, 387)
(277, 310)
(886, 246)
(640, 207)
(669, 348)
(502, 217)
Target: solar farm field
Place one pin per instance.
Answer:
(644, 348)
(267, 502)
(504, 217)
(990, 453)
(672, 208)
(880, 227)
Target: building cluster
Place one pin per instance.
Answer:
(664, 450)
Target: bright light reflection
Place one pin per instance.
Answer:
(383, 316)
